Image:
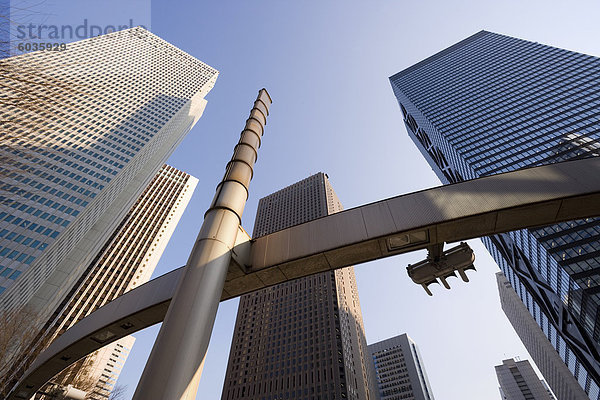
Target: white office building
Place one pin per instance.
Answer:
(518, 381)
(125, 262)
(399, 370)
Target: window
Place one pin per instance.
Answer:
(6, 272)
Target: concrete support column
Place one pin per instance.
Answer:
(175, 365)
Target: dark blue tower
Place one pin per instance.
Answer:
(491, 104)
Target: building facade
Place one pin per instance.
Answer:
(106, 114)
(95, 375)
(518, 381)
(399, 370)
(491, 104)
(552, 367)
(125, 262)
(302, 339)
(106, 365)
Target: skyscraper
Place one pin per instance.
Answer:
(106, 366)
(519, 381)
(558, 376)
(113, 108)
(96, 375)
(399, 369)
(126, 261)
(491, 104)
(303, 339)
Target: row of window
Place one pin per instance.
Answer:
(9, 273)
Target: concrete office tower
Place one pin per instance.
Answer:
(118, 105)
(557, 374)
(126, 261)
(302, 339)
(107, 365)
(97, 374)
(399, 369)
(518, 381)
(491, 104)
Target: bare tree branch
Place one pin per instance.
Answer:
(18, 330)
(118, 393)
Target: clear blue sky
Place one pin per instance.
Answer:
(326, 66)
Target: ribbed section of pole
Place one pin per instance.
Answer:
(175, 364)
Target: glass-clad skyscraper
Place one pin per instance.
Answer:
(491, 104)
(84, 131)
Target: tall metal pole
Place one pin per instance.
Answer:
(175, 365)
